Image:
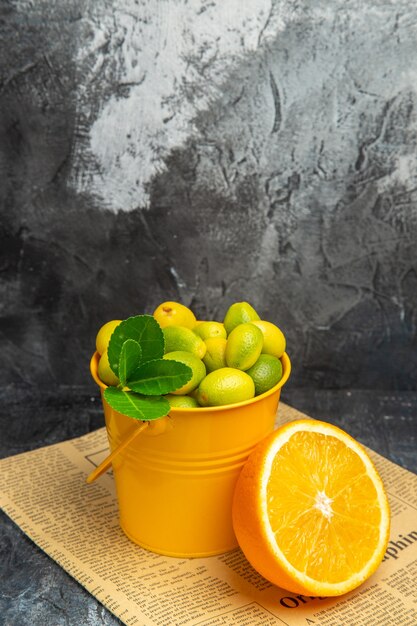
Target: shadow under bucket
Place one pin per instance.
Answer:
(176, 479)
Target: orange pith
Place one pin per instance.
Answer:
(310, 511)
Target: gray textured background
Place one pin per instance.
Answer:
(210, 152)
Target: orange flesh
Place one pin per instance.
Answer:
(326, 523)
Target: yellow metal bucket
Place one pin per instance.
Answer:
(175, 481)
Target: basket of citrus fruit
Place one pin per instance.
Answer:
(207, 392)
(208, 471)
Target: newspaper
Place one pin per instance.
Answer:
(45, 493)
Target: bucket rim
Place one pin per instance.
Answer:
(286, 366)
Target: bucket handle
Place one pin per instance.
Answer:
(104, 465)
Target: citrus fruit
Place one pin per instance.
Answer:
(210, 329)
(310, 511)
(183, 402)
(225, 386)
(104, 334)
(244, 345)
(266, 373)
(105, 373)
(182, 338)
(197, 366)
(239, 313)
(215, 357)
(274, 339)
(174, 314)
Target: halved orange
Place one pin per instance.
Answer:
(310, 511)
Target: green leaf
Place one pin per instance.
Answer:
(130, 357)
(136, 406)
(159, 376)
(141, 328)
